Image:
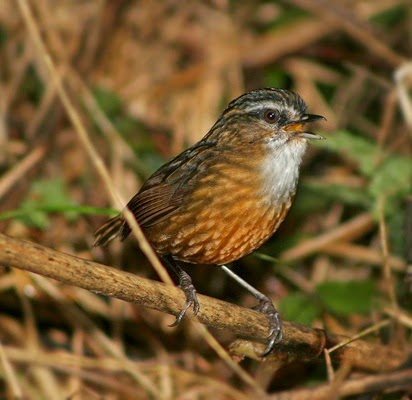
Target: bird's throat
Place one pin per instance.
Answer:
(280, 171)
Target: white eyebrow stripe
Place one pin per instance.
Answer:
(261, 106)
(265, 105)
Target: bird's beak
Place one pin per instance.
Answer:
(312, 118)
(297, 126)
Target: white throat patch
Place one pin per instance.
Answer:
(281, 169)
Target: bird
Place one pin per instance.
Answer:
(226, 195)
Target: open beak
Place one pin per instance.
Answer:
(297, 126)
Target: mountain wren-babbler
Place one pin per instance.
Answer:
(226, 195)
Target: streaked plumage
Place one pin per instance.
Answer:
(226, 195)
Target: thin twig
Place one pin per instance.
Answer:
(348, 231)
(10, 178)
(10, 375)
(365, 332)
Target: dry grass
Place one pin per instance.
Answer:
(135, 82)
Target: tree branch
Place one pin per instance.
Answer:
(302, 341)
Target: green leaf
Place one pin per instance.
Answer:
(32, 85)
(355, 148)
(316, 192)
(345, 298)
(389, 175)
(43, 194)
(275, 77)
(299, 308)
(392, 179)
(390, 17)
(46, 197)
(109, 101)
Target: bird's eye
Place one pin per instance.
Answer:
(270, 116)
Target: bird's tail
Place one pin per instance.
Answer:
(110, 230)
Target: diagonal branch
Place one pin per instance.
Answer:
(305, 343)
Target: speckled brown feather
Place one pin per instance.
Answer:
(226, 195)
(216, 201)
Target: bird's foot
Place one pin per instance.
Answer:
(185, 282)
(267, 308)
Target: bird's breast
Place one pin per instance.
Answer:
(231, 211)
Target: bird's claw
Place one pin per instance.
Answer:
(191, 300)
(267, 308)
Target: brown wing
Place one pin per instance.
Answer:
(154, 204)
(163, 193)
(150, 205)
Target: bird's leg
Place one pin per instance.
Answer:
(185, 282)
(266, 307)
